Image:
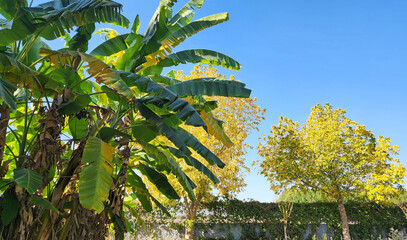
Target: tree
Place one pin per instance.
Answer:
(331, 154)
(241, 116)
(78, 130)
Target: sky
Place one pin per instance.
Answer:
(296, 54)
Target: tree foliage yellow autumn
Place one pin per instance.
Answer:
(331, 154)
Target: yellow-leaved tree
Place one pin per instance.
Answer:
(241, 116)
(333, 155)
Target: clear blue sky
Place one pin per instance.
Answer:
(296, 54)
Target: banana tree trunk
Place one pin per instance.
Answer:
(4, 119)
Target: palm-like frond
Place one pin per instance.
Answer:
(196, 56)
(52, 19)
(96, 177)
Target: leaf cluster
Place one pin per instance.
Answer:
(81, 131)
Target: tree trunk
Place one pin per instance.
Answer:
(189, 229)
(344, 219)
(189, 223)
(4, 119)
(191, 208)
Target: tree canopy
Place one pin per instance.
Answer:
(331, 154)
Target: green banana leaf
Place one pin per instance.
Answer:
(44, 203)
(140, 189)
(79, 42)
(191, 161)
(131, 55)
(106, 133)
(169, 132)
(144, 131)
(9, 8)
(15, 71)
(164, 159)
(18, 28)
(30, 49)
(181, 138)
(51, 19)
(157, 28)
(196, 26)
(185, 111)
(199, 56)
(186, 13)
(28, 179)
(6, 93)
(192, 142)
(174, 38)
(159, 180)
(76, 105)
(111, 46)
(136, 25)
(96, 176)
(210, 87)
(165, 80)
(78, 127)
(9, 207)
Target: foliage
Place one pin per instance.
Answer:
(241, 116)
(80, 131)
(372, 218)
(292, 195)
(331, 154)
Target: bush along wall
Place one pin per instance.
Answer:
(264, 220)
(258, 220)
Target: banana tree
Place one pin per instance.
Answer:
(81, 134)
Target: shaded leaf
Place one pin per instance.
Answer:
(79, 42)
(159, 180)
(78, 127)
(15, 71)
(191, 161)
(164, 159)
(8, 8)
(185, 111)
(76, 105)
(6, 93)
(9, 208)
(141, 190)
(27, 179)
(144, 132)
(107, 132)
(169, 132)
(43, 203)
